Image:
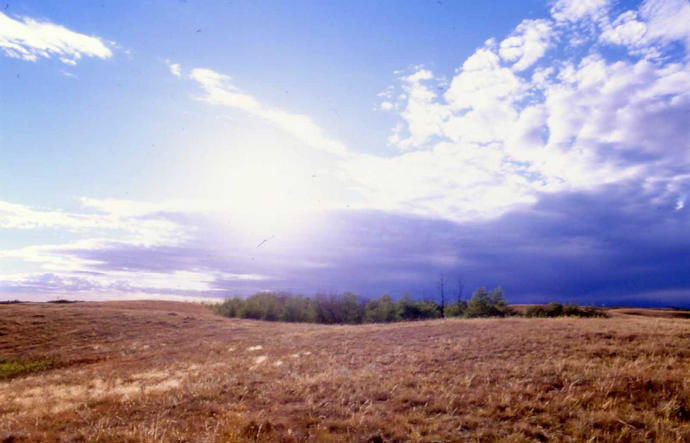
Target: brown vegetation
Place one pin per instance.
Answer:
(163, 371)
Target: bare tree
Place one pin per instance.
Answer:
(442, 290)
(461, 288)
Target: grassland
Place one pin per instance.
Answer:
(163, 371)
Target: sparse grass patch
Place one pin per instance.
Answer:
(15, 368)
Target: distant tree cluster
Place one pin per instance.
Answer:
(351, 309)
(559, 310)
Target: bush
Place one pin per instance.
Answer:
(558, 310)
(299, 309)
(333, 309)
(418, 310)
(455, 310)
(381, 310)
(350, 309)
(231, 307)
(485, 304)
(263, 306)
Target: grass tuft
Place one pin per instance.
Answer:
(15, 368)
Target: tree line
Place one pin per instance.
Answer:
(559, 310)
(348, 308)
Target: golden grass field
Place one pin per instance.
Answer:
(166, 371)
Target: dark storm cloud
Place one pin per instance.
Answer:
(620, 244)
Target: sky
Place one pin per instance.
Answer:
(194, 150)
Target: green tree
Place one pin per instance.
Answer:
(485, 304)
(263, 306)
(381, 310)
(351, 310)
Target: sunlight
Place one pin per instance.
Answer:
(266, 189)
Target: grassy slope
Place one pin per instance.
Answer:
(163, 371)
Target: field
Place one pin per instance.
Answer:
(165, 371)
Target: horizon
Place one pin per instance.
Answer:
(187, 150)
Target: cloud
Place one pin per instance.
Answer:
(113, 284)
(219, 91)
(174, 68)
(424, 116)
(527, 43)
(136, 221)
(530, 115)
(119, 249)
(28, 39)
(625, 30)
(592, 246)
(657, 24)
(667, 20)
(574, 10)
(534, 157)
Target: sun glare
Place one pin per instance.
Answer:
(266, 189)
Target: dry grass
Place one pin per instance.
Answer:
(163, 371)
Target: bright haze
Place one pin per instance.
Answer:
(193, 148)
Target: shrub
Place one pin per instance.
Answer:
(348, 308)
(418, 310)
(351, 309)
(558, 310)
(485, 304)
(455, 310)
(299, 309)
(263, 306)
(231, 307)
(381, 310)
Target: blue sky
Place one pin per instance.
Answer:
(203, 149)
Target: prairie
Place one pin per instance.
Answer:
(166, 371)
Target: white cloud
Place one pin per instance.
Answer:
(104, 259)
(28, 39)
(519, 118)
(527, 43)
(656, 24)
(424, 116)
(625, 30)
(482, 82)
(174, 68)
(219, 91)
(75, 284)
(501, 135)
(667, 20)
(575, 10)
(132, 220)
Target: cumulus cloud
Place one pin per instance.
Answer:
(650, 29)
(29, 39)
(667, 20)
(574, 10)
(219, 91)
(528, 115)
(527, 43)
(424, 116)
(625, 30)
